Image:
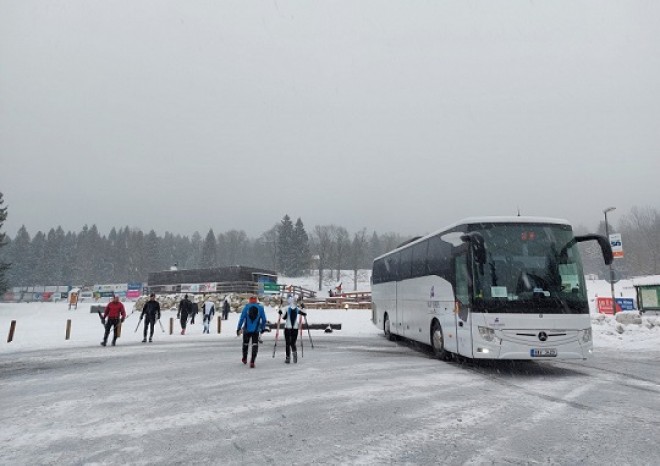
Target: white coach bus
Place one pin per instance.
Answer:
(491, 288)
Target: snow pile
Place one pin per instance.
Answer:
(628, 331)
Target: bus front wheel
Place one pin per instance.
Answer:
(438, 342)
(387, 329)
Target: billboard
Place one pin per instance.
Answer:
(617, 245)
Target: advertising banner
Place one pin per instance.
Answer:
(617, 245)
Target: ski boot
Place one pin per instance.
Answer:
(103, 343)
(251, 365)
(287, 360)
(144, 340)
(295, 357)
(244, 360)
(151, 340)
(114, 343)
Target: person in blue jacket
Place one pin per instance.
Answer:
(251, 323)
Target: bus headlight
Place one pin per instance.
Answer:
(488, 334)
(585, 335)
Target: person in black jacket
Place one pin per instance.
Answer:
(185, 308)
(150, 313)
(225, 308)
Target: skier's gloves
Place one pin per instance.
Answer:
(122, 320)
(279, 312)
(238, 332)
(302, 313)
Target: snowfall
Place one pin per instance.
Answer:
(42, 326)
(353, 398)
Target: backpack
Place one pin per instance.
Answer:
(253, 312)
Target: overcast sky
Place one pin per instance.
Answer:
(394, 116)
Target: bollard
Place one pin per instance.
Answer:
(68, 329)
(12, 327)
(219, 324)
(171, 325)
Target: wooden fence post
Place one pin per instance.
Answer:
(68, 329)
(12, 327)
(171, 325)
(219, 324)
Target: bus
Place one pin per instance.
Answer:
(489, 288)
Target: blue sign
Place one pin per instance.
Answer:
(626, 304)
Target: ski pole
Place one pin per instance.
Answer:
(302, 349)
(277, 332)
(138, 325)
(308, 333)
(161, 326)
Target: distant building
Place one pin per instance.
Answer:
(234, 279)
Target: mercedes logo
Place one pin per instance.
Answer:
(543, 336)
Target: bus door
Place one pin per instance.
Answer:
(463, 308)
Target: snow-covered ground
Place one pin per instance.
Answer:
(356, 398)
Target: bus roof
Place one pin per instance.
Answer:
(485, 219)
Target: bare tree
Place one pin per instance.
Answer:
(640, 232)
(341, 245)
(358, 253)
(322, 246)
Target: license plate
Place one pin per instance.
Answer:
(543, 352)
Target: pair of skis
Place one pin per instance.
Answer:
(300, 325)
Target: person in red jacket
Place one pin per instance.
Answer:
(114, 313)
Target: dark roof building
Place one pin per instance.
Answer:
(234, 279)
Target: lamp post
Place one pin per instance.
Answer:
(607, 234)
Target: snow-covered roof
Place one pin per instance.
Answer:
(646, 281)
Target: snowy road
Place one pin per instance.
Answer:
(349, 401)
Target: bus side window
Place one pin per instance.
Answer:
(462, 288)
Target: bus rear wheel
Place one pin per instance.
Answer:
(438, 342)
(387, 329)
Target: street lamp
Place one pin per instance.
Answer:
(607, 234)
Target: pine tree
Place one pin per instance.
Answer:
(286, 254)
(4, 266)
(39, 275)
(20, 273)
(301, 249)
(209, 257)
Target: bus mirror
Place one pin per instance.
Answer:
(477, 242)
(602, 242)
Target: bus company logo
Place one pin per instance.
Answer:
(543, 336)
(432, 294)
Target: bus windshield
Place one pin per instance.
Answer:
(529, 268)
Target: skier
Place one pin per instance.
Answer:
(208, 309)
(185, 308)
(251, 323)
(291, 329)
(193, 312)
(225, 308)
(113, 315)
(151, 313)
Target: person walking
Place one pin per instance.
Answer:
(291, 328)
(226, 307)
(185, 308)
(252, 322)
(208, 308)
(150, 314)
(114, 315)
(194, 309)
